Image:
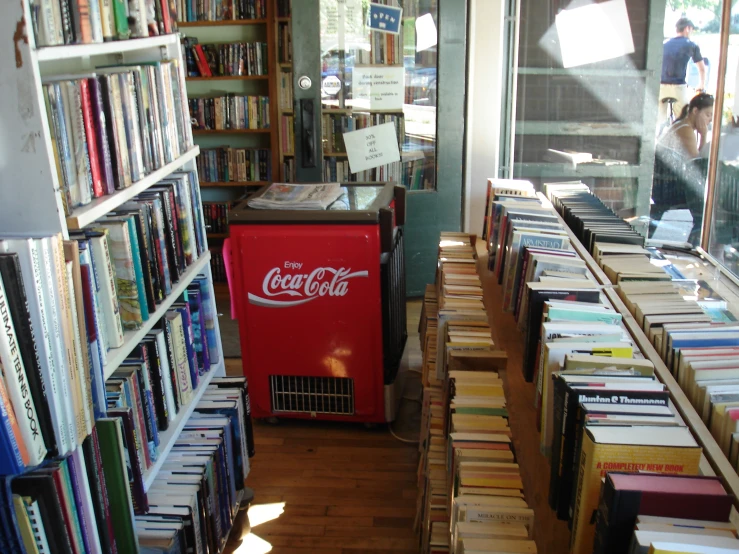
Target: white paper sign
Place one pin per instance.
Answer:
(371, 147)
(379, 88)
(594, 33)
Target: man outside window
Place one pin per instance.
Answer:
(675, 55)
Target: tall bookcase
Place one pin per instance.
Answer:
(31, 203)
(283, 83)
(224, 193)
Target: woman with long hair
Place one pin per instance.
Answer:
(694, 118)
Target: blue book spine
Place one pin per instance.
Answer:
(209, 317)
(11, 461)
(192, 359)
(72, 494)
(138, 271)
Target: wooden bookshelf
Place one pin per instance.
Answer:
(222, 23)
(230, 78)
(285, 65)
(219, 184)
(285, 19)
(230, 131)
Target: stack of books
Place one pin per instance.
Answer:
(216, 217)
(600, 407)
(113, 126)
(59, 22)
(195, 497)
(469, 486)
(229, 112)
(223, 10)
(225, 59)
(284, 43)
(227, 164)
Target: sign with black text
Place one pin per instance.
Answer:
(372, 147)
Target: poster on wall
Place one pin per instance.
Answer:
(371, 147)
(378, 88)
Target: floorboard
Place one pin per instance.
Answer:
(346, 489)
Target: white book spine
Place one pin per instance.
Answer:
(63, 310)
(86, 495)
(95, 21)
(85, 400)
(16, 382)
(108, 297)
(50, 300)
(180, 354)
(102, 332)
(166, 376)
(30, 261)
(50, 30)
(106, 18)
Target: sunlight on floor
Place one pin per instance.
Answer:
(262, 513)
(258, 514)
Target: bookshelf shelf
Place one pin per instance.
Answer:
(282, 19)
(83, 216)
(169, 437)
(215, 184)
(230, 78)
(132, 338)
(222, 23)
(56, 53)
(230, 131)
(285, 65)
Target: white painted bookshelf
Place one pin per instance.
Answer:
(30, 197)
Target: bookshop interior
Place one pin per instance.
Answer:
(369, 276)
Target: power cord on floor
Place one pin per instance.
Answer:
(401, 439)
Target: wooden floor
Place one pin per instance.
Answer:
(333, 488)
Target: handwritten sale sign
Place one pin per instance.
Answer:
(372, 147)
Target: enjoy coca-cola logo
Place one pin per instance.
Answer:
(281, 290)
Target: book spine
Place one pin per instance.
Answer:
(107, 20)
(68, 343)
(122, 136)
(15, 454)
(97, 386)
(49, 31)
(30, 258)
(50, 292)
(79, 144)
(66, 18)
(184, 377)
(80, 491)
(109, 298)
(92, 146)
(96, 24)
(107, 520)
(101, 136)
(120, 16)
(11, 273)
(168, 329)
(137, 268)
(112, 132)
(16, 381)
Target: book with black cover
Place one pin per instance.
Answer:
(12, 279)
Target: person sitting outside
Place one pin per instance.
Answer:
(694, 119)
(676, 52)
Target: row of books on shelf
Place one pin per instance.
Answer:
(218, 265)
(284, 43)
(287, 134)
(58, 22)
(600, 407)
(283, 8)
(688, 323)
(418, 174)
(216, 216)
(225, 59)
(471, 495)
(83, 502)
(384, 48)
(227, 164)
(338, 170)
(229, 112)
(285, 90)
(334, 125)
(112, 127)
(77, 298)
(288, 170)
(221, 10)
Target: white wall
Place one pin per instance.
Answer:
(485, 85)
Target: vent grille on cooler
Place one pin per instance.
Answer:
(319, 395)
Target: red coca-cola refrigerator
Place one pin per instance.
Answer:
(320, 299)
